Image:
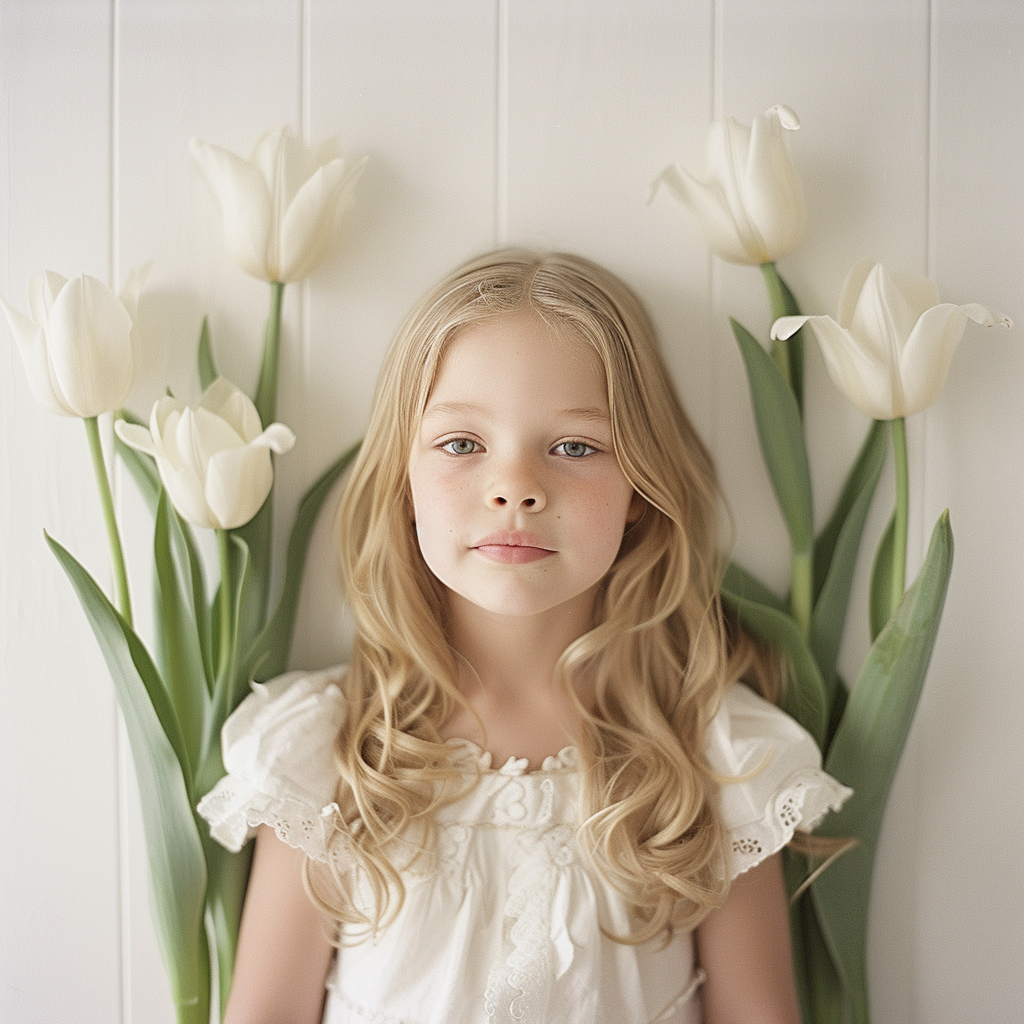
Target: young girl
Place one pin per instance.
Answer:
(537, 793)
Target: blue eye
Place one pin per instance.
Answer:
(574, 449)
(460, 446)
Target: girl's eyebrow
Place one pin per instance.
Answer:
(447, 408)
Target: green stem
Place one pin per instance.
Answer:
(226, 617)
(899, 545)
(788, 355)
(801, 590)
(122, 596)
(266, 391)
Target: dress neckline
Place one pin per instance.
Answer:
(567, 759)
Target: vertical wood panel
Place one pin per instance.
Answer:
(412, 87)
(225, 72)
(601, 97)
(969, 830)
(58, 865)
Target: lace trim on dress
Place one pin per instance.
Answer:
(236, 809)
(801, 802)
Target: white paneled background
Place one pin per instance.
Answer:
(540, 122)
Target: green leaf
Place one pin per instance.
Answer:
(177, 866)
(865, 753)
(839, 550)
(269, 655)
(780, 431)
(229, 874)
(880, 598)
(743, 584)
(806, 699)
(182, 626)
(783, 303)
(204, 356)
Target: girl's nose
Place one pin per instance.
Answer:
(517, 489)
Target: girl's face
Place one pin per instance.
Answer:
(519, 502)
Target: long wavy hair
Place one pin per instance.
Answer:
(658, 658)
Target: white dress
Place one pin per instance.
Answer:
(502, 921)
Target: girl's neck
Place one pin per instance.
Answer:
(508, 681)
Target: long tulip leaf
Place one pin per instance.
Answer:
(204, 356)
(178, 868)
(880, 597)
(182, 630)
(780, 432)
(269, 655)
(829, 616)
(229, 873)
(806, 699)
(865, 753)
(783, 303)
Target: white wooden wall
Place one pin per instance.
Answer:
(541, 122)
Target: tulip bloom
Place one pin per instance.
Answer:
(749, 201)
(890, 347)
(281, 207)
(77, 345)
(214, 458)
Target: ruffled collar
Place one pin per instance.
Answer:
(567, 759)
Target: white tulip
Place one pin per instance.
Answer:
(77, 344)
(214, 458)
(749, 202)
(890, 347)
(281, 208)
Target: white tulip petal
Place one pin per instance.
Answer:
(225, 400)
(309, 223)
(729, 153)
(277, 437)
(245, 205)
(133, 289)
(201, 434)
(786, 326)
(237, 483)
(852, 287)
(865, 379)
(708, 204)
(985, 316)
(185, 489)
(31, 341)
(771, 192)
(925, 360)
(43, 289)
(89, 344)
(881, 319)
(136, 437)
(163, 423)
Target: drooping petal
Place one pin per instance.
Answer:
(855, 369)
(786, 326)
(89, 344)
(237, 483)
(31, 341)
(245, 204)
(136, 437)
(311, 220)
(277, 437)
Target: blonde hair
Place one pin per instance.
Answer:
(658, 659)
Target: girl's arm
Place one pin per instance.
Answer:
(283, 949)
(744, 950)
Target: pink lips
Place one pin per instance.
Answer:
(512, 548)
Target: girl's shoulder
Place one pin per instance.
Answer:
(772, 781)
(278, 752)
